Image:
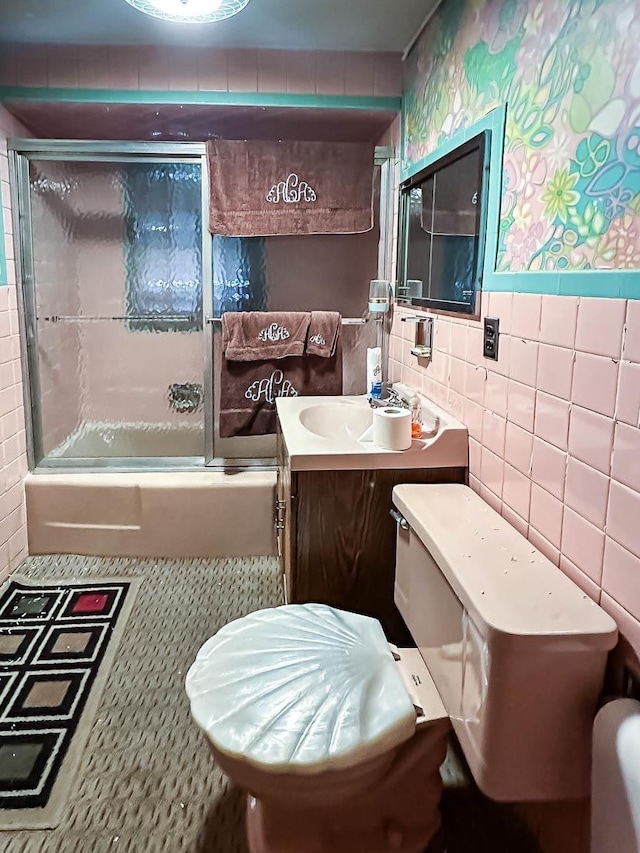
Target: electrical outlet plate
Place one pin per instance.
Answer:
(490, 338)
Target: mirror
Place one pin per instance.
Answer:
(443, 210)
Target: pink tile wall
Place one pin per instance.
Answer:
(204, 69)
(13, 458)
(554, 429)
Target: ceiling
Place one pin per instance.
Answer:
(385, 25)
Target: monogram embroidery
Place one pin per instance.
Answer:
(317, 339)
(291, 191)
(270, 388)
(274, 332)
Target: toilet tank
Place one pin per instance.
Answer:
(515, 648)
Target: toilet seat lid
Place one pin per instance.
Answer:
(300, 688)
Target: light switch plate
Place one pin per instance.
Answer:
(490, 338)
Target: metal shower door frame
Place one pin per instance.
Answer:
(21, 152)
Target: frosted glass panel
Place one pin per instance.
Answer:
(118, 299)
(239, 275)
(163, 246)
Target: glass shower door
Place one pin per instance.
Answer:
(123, 289)
(115, 299)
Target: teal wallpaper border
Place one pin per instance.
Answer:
(236, 99)
(4, 278)
(608, 284)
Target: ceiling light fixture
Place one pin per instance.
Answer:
(189, 11)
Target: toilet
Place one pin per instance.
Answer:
(338, 737)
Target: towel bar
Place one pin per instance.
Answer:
(86, 318)
(346, 321)
(59, 318)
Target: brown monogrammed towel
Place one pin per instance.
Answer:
(249, 389)
(324, 329)
(264, 187)
(260, 335)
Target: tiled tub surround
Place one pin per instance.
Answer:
(13, 458)
(337, 73)
(554, 428)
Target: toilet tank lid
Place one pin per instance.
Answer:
(301, 688)
(497, 574)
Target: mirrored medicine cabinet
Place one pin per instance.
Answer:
(443, 211)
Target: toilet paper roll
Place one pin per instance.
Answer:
(392, 428)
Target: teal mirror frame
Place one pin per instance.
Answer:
(481, 142)
(493, 126)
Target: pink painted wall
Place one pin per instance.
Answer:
(204, 69)
(13, 459)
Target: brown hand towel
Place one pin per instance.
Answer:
(248, 390)
(260, 335)
(324, 329)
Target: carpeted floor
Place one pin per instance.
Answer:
(147, 783)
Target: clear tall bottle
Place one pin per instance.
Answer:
(416, 420)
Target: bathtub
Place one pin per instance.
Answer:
(102, 440)
(152, 514)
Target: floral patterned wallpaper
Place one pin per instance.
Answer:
(569, 71)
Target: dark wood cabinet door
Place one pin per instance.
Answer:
(345, 540)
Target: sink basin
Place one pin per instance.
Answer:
(322, 433)
(336, 420)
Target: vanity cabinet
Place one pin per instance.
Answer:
(336, 537)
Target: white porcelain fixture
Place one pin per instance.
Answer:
(321, 433)
(615, 804)
(152, 514)
(338, 419)
(300, 705)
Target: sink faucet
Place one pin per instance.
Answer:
(392, 399)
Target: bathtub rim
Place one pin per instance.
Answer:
(149, 464)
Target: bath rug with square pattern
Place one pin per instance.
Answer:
(57, 645)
